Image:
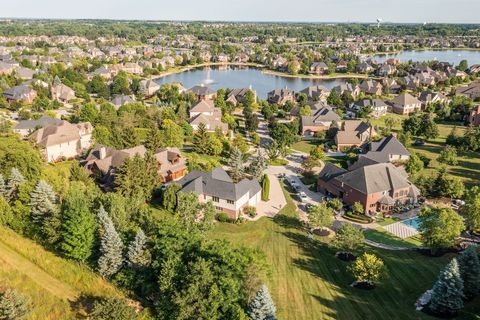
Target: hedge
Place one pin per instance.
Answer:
(265, 187)
(357, 218)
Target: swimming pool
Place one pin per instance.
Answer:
(413, 222)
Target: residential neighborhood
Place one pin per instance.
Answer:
(162, 169)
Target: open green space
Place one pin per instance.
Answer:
(50, 282)
(381, 236)
(309, 283)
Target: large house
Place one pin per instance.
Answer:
(203, 93)
(378, 187)
(354, 133)
(205, 112)
(26, 127)
(432, 97)
(318, 68)
(371, 87)
(238, 95)
(321, 120)
(104, 161)
(388, 149)
(227, 196)
(61, 92)
(64, 140)
(405, 104)
(20, 93)
(472, 91)
(379, 107)
(281, 96)
(149, 87)
(316, 93)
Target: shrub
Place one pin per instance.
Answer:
(250, 211)
(357, 218)
(222, 217)
(265, 187)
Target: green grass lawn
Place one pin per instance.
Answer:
(308, 283)
(381, 236)
(305, 146)
(49, 282)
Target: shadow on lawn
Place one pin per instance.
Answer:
(286, 221)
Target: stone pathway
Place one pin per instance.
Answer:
(401, 230)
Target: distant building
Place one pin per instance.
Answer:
(20, 93)
(281, 96)
(203, 93)
(405, 104)
(205, 112)
(354, 133)
(474, 116)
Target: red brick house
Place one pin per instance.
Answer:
(378, 187)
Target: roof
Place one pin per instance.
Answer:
(325, 114)
(120, 100)
(201, 90)
(34, 124)
(405, 99)
(217, 183)
(17, 92)
(203, 106)
(375, 178)
(61, 132)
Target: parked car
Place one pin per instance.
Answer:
(303, 197)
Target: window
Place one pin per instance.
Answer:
(215, 199)
(230, 202)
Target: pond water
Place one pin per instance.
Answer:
(242, 77)
(452, 56)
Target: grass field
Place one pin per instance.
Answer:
(309, 283)
(381, 236)
(51, 283)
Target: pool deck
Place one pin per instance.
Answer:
(401, 230)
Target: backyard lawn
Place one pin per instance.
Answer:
(308, 282)
(382, 236)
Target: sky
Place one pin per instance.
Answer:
(417, 11)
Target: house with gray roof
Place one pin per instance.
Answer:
(320, 120)
(354, 133)
(217, 186)
(26, 127)
(20, 93)
(378, 187)
(203, 92)
(388, 149)
(316, 93)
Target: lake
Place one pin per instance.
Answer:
(452, 56)
(242, 77)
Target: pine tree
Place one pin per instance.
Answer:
(469, 265)
(111, 248)
(12, 305)
(78, 228)
(137, 254)
(262, 307)
(447, 293)
(102, 218)
(43, 201)
(3, 188)
(16, 179)
(236, 164)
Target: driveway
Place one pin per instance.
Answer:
(276, 200)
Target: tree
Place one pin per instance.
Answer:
(214, 145)
(334, 99)
(21, 155)
(78, 226)
(309, 163)
(13, 305)
(335, 203)
(357, 208)
(112, 308)
(120, 84)
(262, 306)
(16, 179)
(200, 139)
(89, 113)
(448, 156)
(317, 153)
(448, 186)
(471, 209)
(390, 123)
(440, 227)
(447, 293)
(463, 65)
(265, 182)
(320, 216)
(169, 196)
(111, 247)
(236, 163)
(469, 266)
(348, 239)
(188, 207)
(43, 201)
(137, 176)
(367, 268)
(414, 164)
(172, 134)
(257, 166)
(137, 253)
(3, 187)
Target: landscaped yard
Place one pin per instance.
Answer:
(309, 283)
(382, 236)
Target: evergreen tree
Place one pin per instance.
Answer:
(469, 265)
(447, 293)
(103, 219)
(13, 306)
(265, 187)
(112, 309)
(257, 166)
(111, 248)
(78, 227)
(236, 164)
(16, 179)
(262, 307)
(3, 187)
(200, 139)
(137, 254)
(43, 201)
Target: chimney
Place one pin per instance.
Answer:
(103, 153)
